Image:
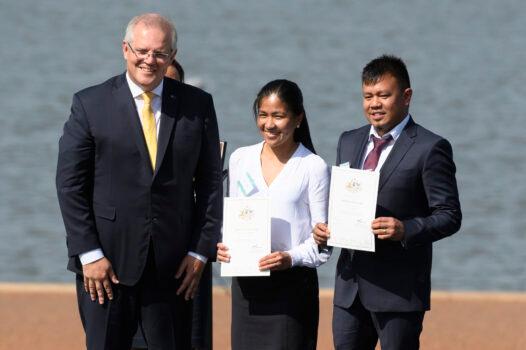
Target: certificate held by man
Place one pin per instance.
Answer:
(246, 232)
(352, 208)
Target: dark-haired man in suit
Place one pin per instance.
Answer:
(384, 294)
(139, 187)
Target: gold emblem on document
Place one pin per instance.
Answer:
(353, 186)
(246, 214)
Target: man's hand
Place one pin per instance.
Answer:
(192, 268)
(388, 228)
(98, 277)
(321, 234)
(222, 253)
(275, 261)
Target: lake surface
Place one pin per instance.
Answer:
(466, 62)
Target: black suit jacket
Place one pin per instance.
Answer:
(111, 198)
(417, 186)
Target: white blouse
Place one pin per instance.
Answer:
(298, 198)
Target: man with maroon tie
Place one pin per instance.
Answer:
(384, 294)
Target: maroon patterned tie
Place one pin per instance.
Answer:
(372, 158)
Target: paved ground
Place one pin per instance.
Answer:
(45, 317)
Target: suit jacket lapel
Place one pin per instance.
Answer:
(400, 148)
(169, 108)
(127, 110)
(356, 155)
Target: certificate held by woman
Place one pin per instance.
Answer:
(246, 231)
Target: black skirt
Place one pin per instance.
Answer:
(276, 312)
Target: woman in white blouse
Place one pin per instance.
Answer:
(281, 311)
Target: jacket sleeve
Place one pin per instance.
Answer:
(440, 186)
(74, 181)
(208, 189)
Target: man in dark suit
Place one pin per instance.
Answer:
(139, 187)
(384, 294)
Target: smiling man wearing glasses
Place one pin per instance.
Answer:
(139, 187)
(148, 50)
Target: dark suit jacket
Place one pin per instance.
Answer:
(418, 187)
(111, 198)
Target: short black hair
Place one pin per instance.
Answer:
(386, 64)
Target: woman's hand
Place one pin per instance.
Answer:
(222, 253)
(321, 234)
(275, 261)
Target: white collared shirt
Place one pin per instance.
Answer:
(395, 134)
(299, 196)
(137, 91)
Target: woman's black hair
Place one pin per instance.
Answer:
(290, 94)
(179, 70)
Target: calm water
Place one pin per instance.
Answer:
(466, 61)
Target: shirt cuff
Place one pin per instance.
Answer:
(91, 256)
(198, 257)
(294, 258)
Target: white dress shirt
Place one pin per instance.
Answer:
(137, 91)
(394, 132)
(298, 198)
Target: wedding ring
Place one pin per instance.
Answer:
(385, 230)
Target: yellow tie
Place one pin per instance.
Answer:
(149, 127)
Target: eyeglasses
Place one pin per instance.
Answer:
(143, 54)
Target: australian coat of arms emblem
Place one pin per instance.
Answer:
(246, 213)
(353, 186)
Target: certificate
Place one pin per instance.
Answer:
(246, 233)
(352, 208)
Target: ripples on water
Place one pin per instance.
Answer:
(465, 61)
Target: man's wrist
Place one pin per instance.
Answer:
(91, 256)
(198, 257)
